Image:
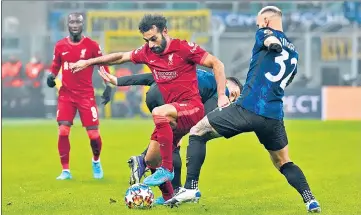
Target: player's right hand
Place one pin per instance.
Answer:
(50, 81)
(108, 77)
(79, 65)
(223, 101)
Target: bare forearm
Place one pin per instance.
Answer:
(109, 59)
(218, 69)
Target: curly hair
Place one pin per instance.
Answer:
(149, 20)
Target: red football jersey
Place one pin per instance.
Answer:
(66, 52)
(174, 70)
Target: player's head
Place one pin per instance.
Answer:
(75, 24)
(270, 16)
(154, 30)
(234, 87)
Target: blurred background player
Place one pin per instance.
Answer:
(173, 64)
(77, 93)
(208, 91)
(259, 109)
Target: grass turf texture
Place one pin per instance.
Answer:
(237, 177)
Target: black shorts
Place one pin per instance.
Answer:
(234, 120)
(153, 97)
(210, 104)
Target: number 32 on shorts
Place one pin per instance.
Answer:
(94, 113)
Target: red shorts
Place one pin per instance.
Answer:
(189, 114)
(87, 107)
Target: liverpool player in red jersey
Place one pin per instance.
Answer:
(77, 93)
(173, 65)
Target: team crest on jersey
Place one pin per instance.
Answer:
(82, 53)
(267, 32)
(170, 59)
(193, 45)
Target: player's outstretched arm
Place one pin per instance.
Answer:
(109, 59)
(130, 80)
(218, 69)
(146, 79)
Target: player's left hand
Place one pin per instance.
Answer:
(106, 95)
(78, 66)
(223, 101)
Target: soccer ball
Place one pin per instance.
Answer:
(139, 196)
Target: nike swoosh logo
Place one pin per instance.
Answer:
(64, 53)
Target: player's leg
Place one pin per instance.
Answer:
(226, 122)
(272, 135)
(65, 115)
(88, 112)
(138, 167)
(162, 117)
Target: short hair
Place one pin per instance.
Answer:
(236, 81)
(272, 9)
(149, 20)
(77, 14)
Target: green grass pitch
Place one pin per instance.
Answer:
(237, 177)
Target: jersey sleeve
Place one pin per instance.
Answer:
(56, 64)
(262, 34)
(193, 52)
(138, 79)
(98, 53)
(138, 55)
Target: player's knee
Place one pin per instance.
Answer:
(279, 161)
(64, 130)
(195, 130)
(93, 134)
(157, 111)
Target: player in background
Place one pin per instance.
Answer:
(173, 65)
(77, 93)
(259, 109)
(208, 91)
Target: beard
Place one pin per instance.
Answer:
(76, 36)
(159, 49)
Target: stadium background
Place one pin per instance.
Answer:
(237, 177)
(327, 36)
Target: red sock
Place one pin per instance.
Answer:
(166, 189)
(165, 139)
(64, 146)
(95, 143)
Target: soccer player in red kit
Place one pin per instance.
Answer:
(77, 93)
(173, 65)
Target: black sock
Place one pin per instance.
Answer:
(297, 179)
(196, 153)
(177, 165)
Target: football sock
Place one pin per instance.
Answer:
(95, 143)
(165, 139)
(166, 188)
(196, 153)
(64, 146)
(297, 179)
(177, 165)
